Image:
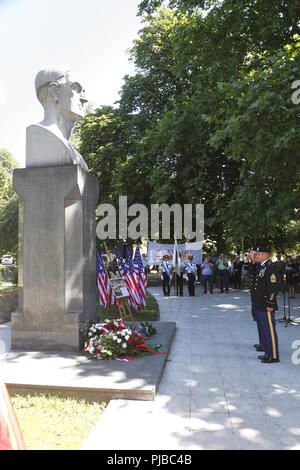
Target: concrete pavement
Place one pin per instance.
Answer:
(215, 393)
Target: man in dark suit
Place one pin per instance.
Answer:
(237, 273)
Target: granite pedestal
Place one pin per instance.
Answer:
(57, 290)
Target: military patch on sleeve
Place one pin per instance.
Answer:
(273, 278)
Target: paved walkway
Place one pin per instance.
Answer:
(214, 393)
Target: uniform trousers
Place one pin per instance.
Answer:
(266, 324)
(179, 280)
(166, 284)
(191, 284)
(259, 327)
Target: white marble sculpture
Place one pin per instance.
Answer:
(63, 99)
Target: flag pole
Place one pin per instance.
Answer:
(107, 271)
(175, 267)
(105, 247)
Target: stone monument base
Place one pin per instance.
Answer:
(75, 375)
(28, 336)
(57, 257)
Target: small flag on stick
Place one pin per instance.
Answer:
(106, 294)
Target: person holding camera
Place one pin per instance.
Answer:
(207, 275)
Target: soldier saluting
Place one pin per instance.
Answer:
(265, 289)
(253, 266)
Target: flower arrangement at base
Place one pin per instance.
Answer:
(111, 339)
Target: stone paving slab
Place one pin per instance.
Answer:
(76, 375)
(215, 393)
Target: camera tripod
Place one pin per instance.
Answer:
(287, 316)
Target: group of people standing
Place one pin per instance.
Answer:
(289, 273)
(185, 269)
(220, 272)
(210, 272)
(266, 279)
(265, 283)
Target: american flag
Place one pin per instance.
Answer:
(140, 274)
(128, 275)
(106, 294)
(133, 281)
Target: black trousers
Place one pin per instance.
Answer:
(223, 280)
(237, 280)
(259, 329)
(266, 324)
(191, 284)
(179, 280)
(166, 284)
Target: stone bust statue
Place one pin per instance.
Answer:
(63, 99)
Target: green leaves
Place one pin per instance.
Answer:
(8, 204)
(7, 165)
(208, 117)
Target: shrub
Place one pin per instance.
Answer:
(8, 303)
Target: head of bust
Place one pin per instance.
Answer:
(59, 94)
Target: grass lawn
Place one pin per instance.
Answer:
(53, 423)
(148, 313)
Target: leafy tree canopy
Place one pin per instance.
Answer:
(208, 117)
(8, 204)
(7, 165)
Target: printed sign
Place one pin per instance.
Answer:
(156, 251)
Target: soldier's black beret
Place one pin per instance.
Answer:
(262, 249)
